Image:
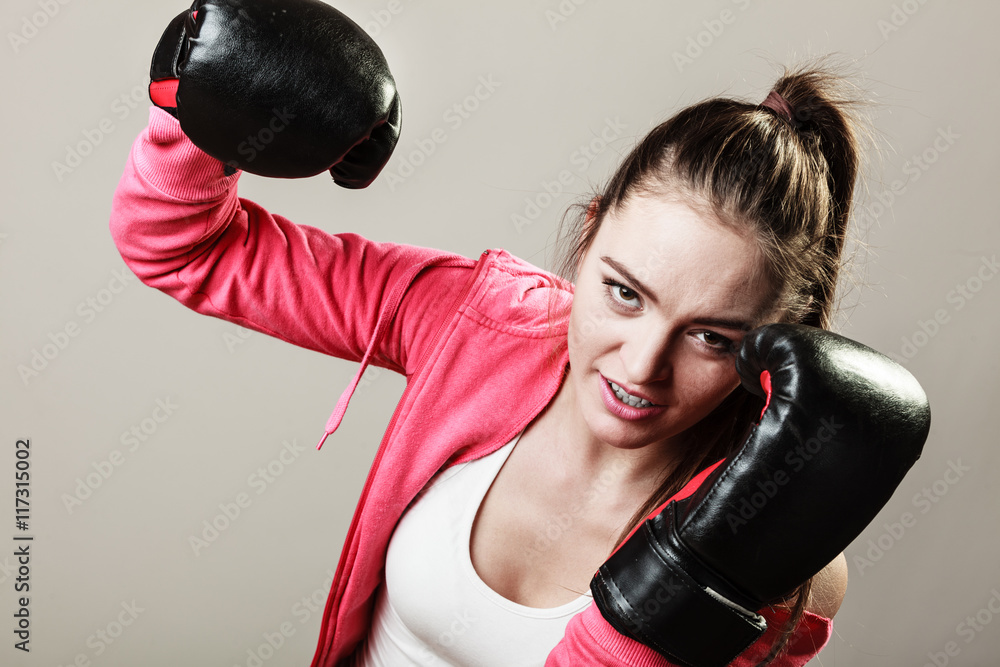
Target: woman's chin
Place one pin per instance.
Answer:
(620, 434)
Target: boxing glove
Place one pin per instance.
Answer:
(841, 426)
(282, 88)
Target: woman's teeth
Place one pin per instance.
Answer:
(628, 398)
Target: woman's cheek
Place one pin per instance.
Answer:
(725, 377)
(590, 325)
(714, 377)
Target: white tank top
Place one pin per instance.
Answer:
(433, 609)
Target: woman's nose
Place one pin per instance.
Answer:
(646, 358)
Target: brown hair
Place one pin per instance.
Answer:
(790, 182)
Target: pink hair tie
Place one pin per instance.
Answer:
(778, 104)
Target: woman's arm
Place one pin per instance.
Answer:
(181, 228)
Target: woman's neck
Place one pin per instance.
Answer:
(577, 454)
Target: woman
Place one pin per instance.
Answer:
(533, 402)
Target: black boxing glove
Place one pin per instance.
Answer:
(841, 427)
(282, 88)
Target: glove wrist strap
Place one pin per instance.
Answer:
(163, 93)
(645, 595)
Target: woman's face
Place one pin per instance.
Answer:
(663, 298)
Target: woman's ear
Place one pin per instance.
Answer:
(592, 210)
(587, 230)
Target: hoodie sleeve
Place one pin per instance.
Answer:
(590, 640)
(181, 228)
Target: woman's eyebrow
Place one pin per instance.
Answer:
(726, 323)
(620, 268)
(738, 325)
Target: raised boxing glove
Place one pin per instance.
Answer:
(841, 427)
(282, 88)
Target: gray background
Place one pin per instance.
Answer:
(561, 71)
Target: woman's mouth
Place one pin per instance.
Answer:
(625, 405)
(626, 397)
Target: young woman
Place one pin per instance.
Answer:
(545, 417)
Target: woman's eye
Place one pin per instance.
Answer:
(625, 294)
(622, 294)
(716, 341)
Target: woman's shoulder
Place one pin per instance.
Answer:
(514, 293)
(517, 267)
(826, 594)
(828, 588)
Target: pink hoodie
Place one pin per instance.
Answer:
(446, 322)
